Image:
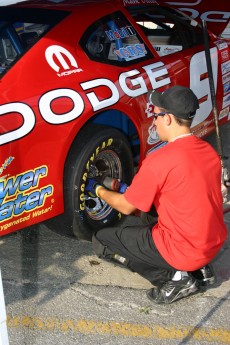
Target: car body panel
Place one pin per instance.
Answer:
(215, 13)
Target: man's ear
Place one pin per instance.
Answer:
(168, 119)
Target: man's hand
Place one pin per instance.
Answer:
(116, 200)
(91, 187)
(93, 184)
(122, 188)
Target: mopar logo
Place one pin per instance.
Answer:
(59, 57)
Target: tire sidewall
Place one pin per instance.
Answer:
(93, 142)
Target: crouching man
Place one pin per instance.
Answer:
(182, 181)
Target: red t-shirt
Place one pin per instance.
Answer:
(183, 181)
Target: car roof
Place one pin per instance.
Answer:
(72, 5)
(64, 4)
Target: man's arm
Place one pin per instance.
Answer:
(115, 200)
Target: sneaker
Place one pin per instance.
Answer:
(205, 276)
(172, 291)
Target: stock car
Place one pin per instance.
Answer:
(74, 76)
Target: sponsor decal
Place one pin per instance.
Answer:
(226, 87)
(120, 33)
(226, 77)
(7, 162)
(131, 52)
(225, 67)
(224, 113)
(221, 44)
(61, 61)
(226, 101)
(165, 49)
(208, 122)
(202, 130)
(202, 133)
(19, 27)
(21, 194)
(138, 2)
(225, 55)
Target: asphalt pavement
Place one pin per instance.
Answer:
(58, 292)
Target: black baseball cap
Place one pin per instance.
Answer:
(177, 100)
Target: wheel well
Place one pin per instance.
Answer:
(114, 119)
(119, 120)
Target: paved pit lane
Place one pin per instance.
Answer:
(58, 292)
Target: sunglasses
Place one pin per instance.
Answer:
(155, 115)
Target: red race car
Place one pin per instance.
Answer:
(74, 78)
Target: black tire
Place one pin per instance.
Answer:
(97, 151)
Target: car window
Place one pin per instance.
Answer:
(168, 30)
(19, 31)
(114, 40)
(16, 38)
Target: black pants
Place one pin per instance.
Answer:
(135, 245)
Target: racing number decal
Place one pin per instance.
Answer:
(199, 83)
